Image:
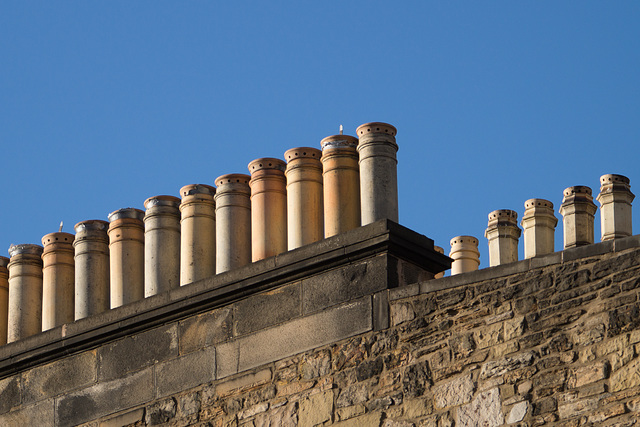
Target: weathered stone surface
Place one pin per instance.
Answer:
(484, 410)
(160, 412)
(137, 352)
(185, 372)
(626, 377)
(283, 416)
(588, 374)
(400, 313)
(416, 380)
(316, 409)
(129, 417)
(59, 377)
(305, 333)
(273, 307)
(330, 287)
(518, 412)
(40, 414)
(500, 367)
(10, 395)
(454, 392)
(206, 329)
(104, 397)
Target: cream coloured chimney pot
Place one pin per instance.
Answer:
(578, 211)
(539, 224)
(126, 255)
(341, 184)
(91, 246)
(161, 244)
(615, 206)
(503, 234)
(465, 254)
(25, 291)
(58, 279)
(197, 233)
(233, 222)
(268, 208)
(378, 172)
(305, 210)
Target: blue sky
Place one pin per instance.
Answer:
(104, 104)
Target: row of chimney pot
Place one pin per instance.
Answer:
(136, 254)
(539, 222)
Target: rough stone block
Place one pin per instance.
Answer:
(336, 286)
(316, 409)
(267, 309)
(484, 409)
(40, 414)
(59, 377)
(518, 412)
(137, 352)
(206, 329)
(185, 372)
(304, 334)
(453, 393)
(227, 359)
(10, 395)
(105, 398)
(588, 374)
(626, 377)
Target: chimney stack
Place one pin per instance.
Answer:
(233, 222)
(197, 233)
(161, 244)
(539, 225)
(126, 254)
(378, 172)
(58, 280)
(4, 298)
(91, 246)
(25, 291)
(341, 184)
(268, 208)
(615, 206)
(304, 196)
(503, 234)
(578, 211)
(465, 254)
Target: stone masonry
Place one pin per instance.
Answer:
(551, 340)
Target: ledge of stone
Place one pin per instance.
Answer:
(380, 238)
(560, 257)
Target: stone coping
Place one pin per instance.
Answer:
(560, 257)
(381, 237)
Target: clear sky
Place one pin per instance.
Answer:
(104, 104)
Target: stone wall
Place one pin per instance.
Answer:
(553, 340)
